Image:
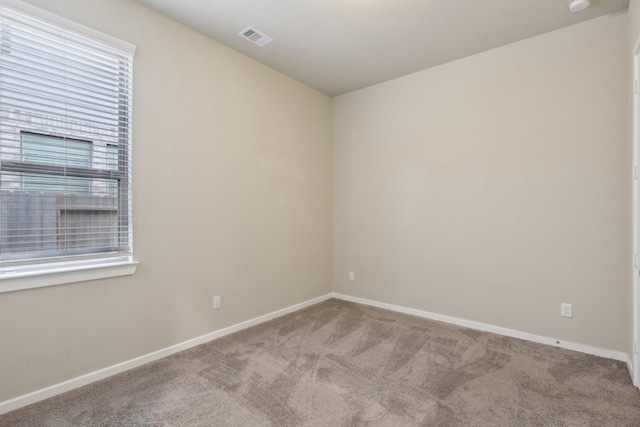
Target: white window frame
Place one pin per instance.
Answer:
(20, 277)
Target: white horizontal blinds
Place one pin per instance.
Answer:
(65, 144)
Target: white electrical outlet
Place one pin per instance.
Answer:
(216, 302)
(352, 276)
(566, 310)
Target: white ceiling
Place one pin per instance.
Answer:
(338, 46)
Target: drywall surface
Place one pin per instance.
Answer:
(634, 22)
(633, 44)
(494, 188)
(232, 197)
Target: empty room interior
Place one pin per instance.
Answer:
(340, 212)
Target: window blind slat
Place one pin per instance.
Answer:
(66, 74)
(57, 128)
(45, 76)
(61, 56)
(28, 36)
(98, 42)
(23, 44)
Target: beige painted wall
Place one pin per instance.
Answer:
(232, 197)
(495, 187)
(633, 37)
(634, 22)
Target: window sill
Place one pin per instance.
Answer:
(11, 282)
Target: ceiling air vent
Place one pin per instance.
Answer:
(255, 36)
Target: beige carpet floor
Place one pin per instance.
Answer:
(344, 364)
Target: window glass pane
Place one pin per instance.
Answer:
(112, 188)
(112, 157)
(86, 228)
(56, 151)
(56, 184)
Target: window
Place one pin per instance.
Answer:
(65, 144)
(42, 151)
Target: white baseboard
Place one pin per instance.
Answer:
(597, 351)
(45, 393)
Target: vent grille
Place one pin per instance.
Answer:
(255, 36)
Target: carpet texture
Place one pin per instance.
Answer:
(344, 364)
